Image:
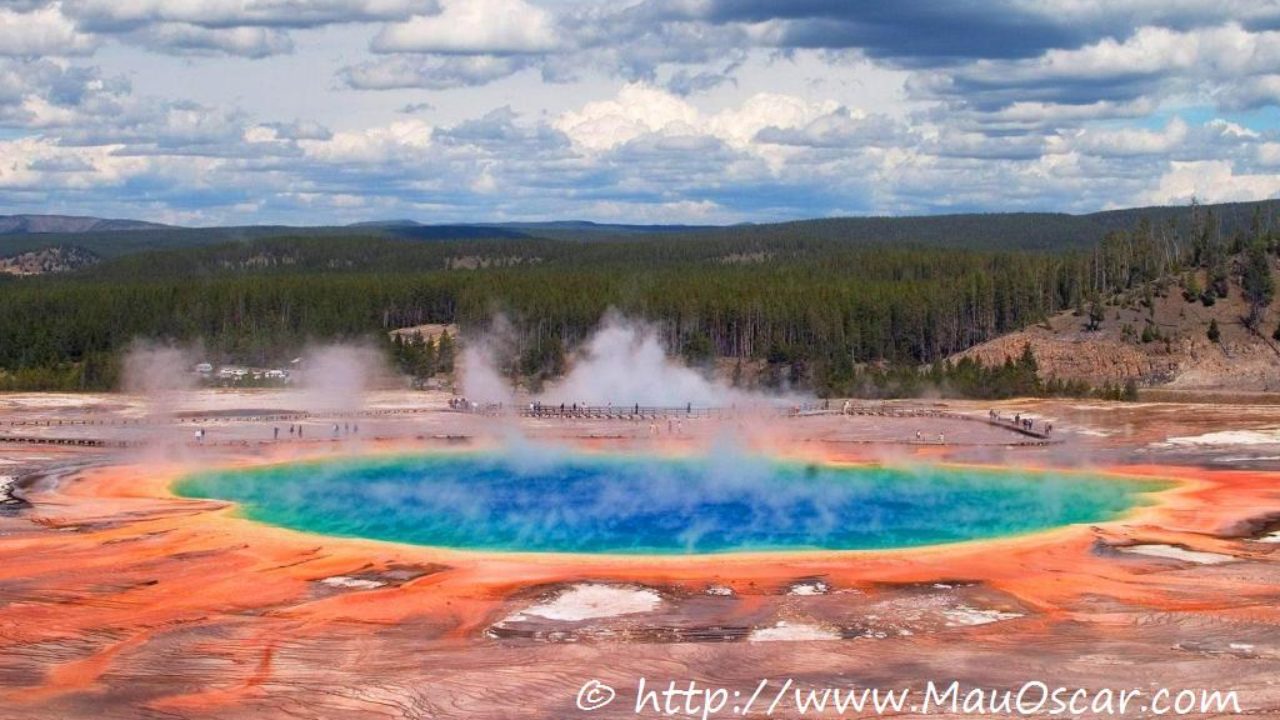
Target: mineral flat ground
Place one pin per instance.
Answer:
(119, 599)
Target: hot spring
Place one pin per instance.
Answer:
(586, 503)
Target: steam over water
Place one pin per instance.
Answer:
(552, 502)
(624, 362)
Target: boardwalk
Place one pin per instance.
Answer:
(36, 430)
(622, 412)
(1025, 427)
(1040, 432)
(78, 442)
(212, 417)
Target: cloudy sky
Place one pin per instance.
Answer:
(332, 111)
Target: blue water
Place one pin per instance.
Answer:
(614, 504)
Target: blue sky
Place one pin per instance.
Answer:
(707, 111)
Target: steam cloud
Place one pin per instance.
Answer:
(153, 368)
(158, 372)
(335, 378)
(624, 363)
(482, 380)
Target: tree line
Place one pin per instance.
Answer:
(819, 312)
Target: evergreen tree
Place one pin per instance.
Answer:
(1257, 282)
(1191, 289)
(425, 363)
(1096, 314)
(444, 353)
(1027, 361)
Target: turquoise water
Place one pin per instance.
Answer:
(613, 504)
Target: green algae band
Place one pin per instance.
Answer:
(608, 504)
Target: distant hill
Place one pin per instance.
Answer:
(27, 224)
(985, 231)
(452, 232)
(988, 231)
(586, 230)
(555, 230)
(402, 223)
(1037, 232)
(118, 243)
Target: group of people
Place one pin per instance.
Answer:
(461, 403)
(339, 430)
(295, 430)
(942, 438)
(537, 408)
(1025, 423)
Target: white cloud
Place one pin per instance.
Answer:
(738, 126)
(473, 27)
(678, 211)
(432, 72)
(641, 109)
(1211, 181)
(39, 165)
(248, 28)
(396, 142)
(1252, 92)
(638, 109)
(1225, 63)
(40, 94)
(557, 108)
(41, 33)
(1269, 154)
(1130, 141)
(1230, 130)
(840, 128)
(253, 42)
(1148, 50)
(1022, 115)
(114, 15)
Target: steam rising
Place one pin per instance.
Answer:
(482, 380)
(334, 378)
(624, 363)
(158, 372)
(157, 369)
(329, 379)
